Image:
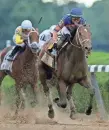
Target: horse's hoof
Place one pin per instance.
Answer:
(51, 114)
(89, 111)
(56, 100)
(72, 116)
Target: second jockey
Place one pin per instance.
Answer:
(21, 35)
(46, 37)
(70, 20)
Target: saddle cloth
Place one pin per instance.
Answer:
(7, 65)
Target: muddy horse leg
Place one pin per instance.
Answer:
(87, 84)
(18, 100)
(71, 103)
(42, 76)
(2, 75)
(23, 98)
(62, 100)
(34, 91)
(50, 106)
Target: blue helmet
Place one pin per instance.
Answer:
(76, 12)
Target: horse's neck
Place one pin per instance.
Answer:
(29, 57)
(76, 55)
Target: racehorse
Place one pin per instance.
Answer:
(72, 68)
(24, 70)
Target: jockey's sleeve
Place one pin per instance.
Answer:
(17, 39)
(57, 29)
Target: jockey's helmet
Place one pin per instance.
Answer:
(26, 24)
(52, 28)
(76, 12)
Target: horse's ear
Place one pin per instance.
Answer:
(88, 27)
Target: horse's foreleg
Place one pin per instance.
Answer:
(18, 101)
(23, 98)
(42, 75)
(87, 84)
(34, 90)
(62, 94)
(50, 106)
(2, 75)
(48, 95)
(70, 99)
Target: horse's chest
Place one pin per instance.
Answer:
(29, 69)
(29, 72)
(71, 72)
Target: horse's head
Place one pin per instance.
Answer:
(83, 38)
(33, 40)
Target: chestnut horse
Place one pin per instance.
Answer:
(24, 70)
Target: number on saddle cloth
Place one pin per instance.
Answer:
(6, 65)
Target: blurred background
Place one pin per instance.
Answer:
(96, 13)
(13, 12)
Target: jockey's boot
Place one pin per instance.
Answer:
(14, 51)
(62, 40)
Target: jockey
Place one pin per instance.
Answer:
(46, 36)
(69, 20)
(20, 36)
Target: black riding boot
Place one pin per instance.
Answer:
(14, 51)
(62, 40)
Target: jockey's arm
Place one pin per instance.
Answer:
(17, 38)
(56, 30)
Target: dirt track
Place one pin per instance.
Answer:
(36, 119)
